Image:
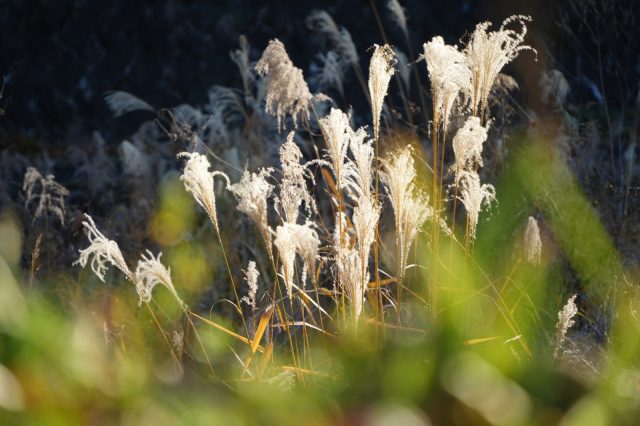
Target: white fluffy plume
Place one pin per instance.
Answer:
(149, 273)
(381, 69)
(102, 252)
(199, 181)
(287, 92)
(467, 145)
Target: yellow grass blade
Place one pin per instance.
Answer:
(262, 326)
(225, 330)
(480, 340)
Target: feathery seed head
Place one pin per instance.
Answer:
(449, 76)
(381, 69)
(565, 322)
(359, 174)
(151, 272)
(354, 279)
(252, 193)
(474, 196)
(335, 128)
(292, 239)
(101, 252)
(532, 242)
(352, 268)
(287, 92)
(365, 218)
(467, 145)
(410, 207)
(293, 188)
(199, 181)
(251, 275)
(49, 194)
(487, 52)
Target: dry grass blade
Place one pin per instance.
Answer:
(225, 330)
(471, 342)
(262, 326)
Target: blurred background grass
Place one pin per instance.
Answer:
(74, 353)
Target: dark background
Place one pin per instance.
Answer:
(59, 57)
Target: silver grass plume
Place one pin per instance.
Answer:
(292, 239)
(398, 15)
(449, 76)
(467, 145)
(322, 23)
(532, 242)
(252, 193)
(565, 322)
(353, 277)
(335, 128)
(410, 207)
(251, 275)
(381, 68)
(48, 194)
(487, 52)
(102, 252)
(359, 174)
(358, 180)
(199, 181)
(149, 273)
(121, 103)
(287, 92)
(365, 217)
(293, 188)
(474, 196)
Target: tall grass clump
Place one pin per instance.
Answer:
(325, 273)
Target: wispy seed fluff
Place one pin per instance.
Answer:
(467, 145)
(449, 76)
(251, 275)
(352, 271)
(292, 239)
(474, 196)
(565, 322)
(293, 188)
(287, 92)
(199, 181)
(410, 207)
(532, 242)
(359, 174)
(335, 128)
(149, 273)
(49, 194)
(102, 252)
(381, 69)
(487, 52)
(252, 193)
